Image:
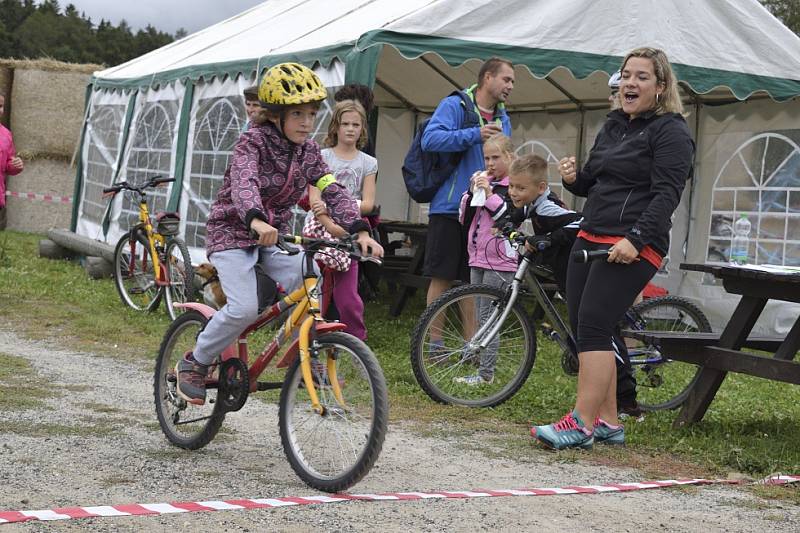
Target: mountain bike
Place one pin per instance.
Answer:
(446, 347)
(151, 262)
(333, 406)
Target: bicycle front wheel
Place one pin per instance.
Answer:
(449, 364)
(179, 272)
(184, 424)
(332, 451)
(134, 274)
(663, 383)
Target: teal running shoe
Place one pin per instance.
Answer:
(605, 433)
(569, 432)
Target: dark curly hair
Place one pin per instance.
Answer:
(358, 92)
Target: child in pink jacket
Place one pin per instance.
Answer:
(492, 261)
(10, 164)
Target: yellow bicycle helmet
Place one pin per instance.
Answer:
(290, 84)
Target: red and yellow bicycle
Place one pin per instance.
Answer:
(333, 407)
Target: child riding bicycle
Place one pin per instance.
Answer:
(272, 165)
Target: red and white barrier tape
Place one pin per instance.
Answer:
(66, 513)
(48, 198)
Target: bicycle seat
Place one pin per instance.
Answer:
(168, 223)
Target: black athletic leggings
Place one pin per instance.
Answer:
(599, 293)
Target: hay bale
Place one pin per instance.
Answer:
(48, 109)
(51, 65)
(41, 176)
(6, 79)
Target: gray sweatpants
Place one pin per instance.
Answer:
(238, 279)
(484, 309)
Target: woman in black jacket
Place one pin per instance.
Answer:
(633, 182)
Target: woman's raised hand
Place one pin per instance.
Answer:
(568, 169)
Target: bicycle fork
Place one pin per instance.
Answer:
(305, 367)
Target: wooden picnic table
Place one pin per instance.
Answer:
(718, 354)
(404, 271)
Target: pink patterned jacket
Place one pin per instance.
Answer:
(7, 152)
(256, 186)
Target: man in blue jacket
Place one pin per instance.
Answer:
(446, 246)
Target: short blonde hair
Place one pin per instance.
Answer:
(336, 120)
(669, 100)
(530, 165)
(502, 142)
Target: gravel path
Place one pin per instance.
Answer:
(85, 447)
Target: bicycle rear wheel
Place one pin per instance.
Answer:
(134, 274)
(178, 265)
(444, 351)
(185, 425)
(333, 451)
(662, 383)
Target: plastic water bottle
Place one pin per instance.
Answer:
(740, 247)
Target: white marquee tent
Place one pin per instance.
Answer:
(178, 110)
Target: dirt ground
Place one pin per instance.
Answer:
(87, 447)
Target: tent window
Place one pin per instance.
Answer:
(219, 122)
(759, 180)
(150, 155)
(103, 136)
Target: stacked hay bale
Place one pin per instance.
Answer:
(46, 104)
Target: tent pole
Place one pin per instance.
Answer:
(180, 149)
(126, 127)
(380, 83)
(78, 188)
(693, 183)
(581, 128)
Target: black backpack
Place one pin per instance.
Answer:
(424, 172)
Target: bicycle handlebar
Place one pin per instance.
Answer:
(585, 256)
(539, 242)
(152, 181)
(345, 244)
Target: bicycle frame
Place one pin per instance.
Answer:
(153, 238)
(526, 272)
(304, 324)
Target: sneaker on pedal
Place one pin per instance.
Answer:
(474, 380)
(605, 433)
(191, 376)
(569, 432)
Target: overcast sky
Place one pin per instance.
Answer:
(164, 15)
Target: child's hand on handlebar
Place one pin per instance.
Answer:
(369, 246)
(267, 235)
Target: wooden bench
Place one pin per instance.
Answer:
(701, 349)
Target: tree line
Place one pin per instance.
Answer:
(31, 31)
(787, 11)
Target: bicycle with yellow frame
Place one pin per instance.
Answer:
(152, 262)
(333, 406)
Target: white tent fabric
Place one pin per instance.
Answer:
(738, 35)
(178, 109)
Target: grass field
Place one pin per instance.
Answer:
(752, 427)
